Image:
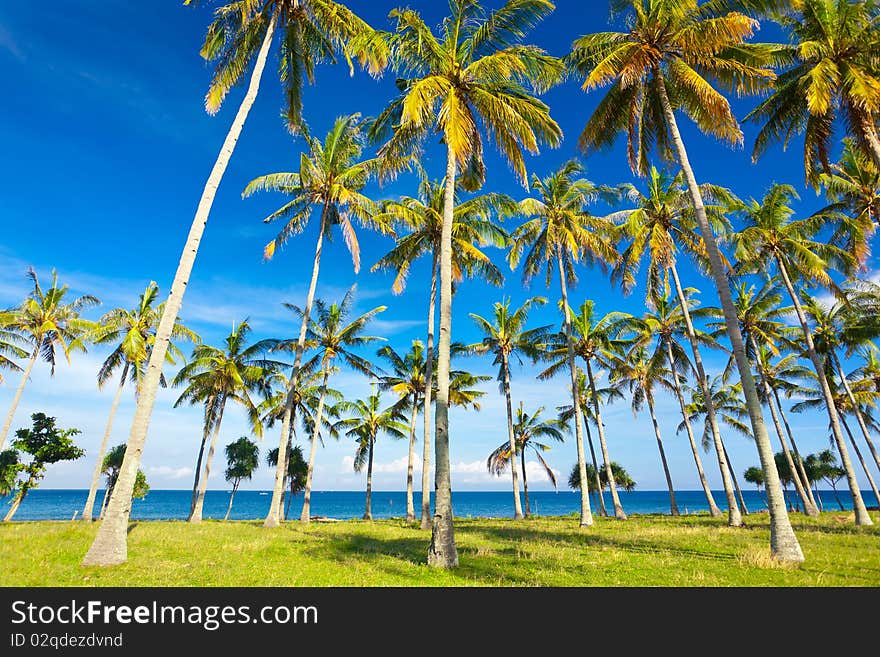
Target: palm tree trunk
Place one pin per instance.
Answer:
(673, 507)
(21, 384)
(525, 483)
(856, 410)
(426, 406)
(198, 473)
(818, 497)
(734, 517)
(273, 517)
(586, 512)
(96, 473)
(739, 493)
(797, 455)
(837, 496)
(514, 470)
(442, 552)
(714, 511)
(784, 545)
(231, 497)
(600, 426)
(368, 513)
(852, 440)
(107, 492)
(110, 545)
(196, 515)
(284, 502)
(861, 513)
(306, 514)
(410, 506)
(869, 132)
(599, 490)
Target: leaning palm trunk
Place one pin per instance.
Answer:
(784, 545)
(368, 513)
(88, 509)
(598, 482)
(858, 452)
(856, 410)
(198, 473)
(714, 511)
(797, 455)
(734, 517)
(600, 427)
(305, 515)
(869, 132)
(442, 552)
(107, 492)
(196, 515)
(732, 473)
(410, 506)
(514, 471)
(110, 545)
(586, 513)
(861, 513)
(231, 497)
(21, 384)
(426, 406)
(273, 518)
(673, 507)
(525, 484)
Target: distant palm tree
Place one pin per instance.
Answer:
(528, 429)
(295, 477)
(621, 476)
(215, 376)
(368, 420)
(754, 476)
(506, 336)
(831, 472)
(132, 334)
(242, 459)
(853, 186)
(772, 237)
(558, 233)
(476, 74)
(45, 323)
(332, 176)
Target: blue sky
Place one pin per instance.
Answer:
(106, 149)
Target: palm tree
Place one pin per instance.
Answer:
(831, 472)
(215, 376)
(833, 69)
(333, 333)
(242, 32)
(641, 373)
(754, 476)
(664, 63)
(853, 186)
(45, 323)
(663, 220)
(772, 237)
(476, 73)
(331, 178)
(595, 341)
(559, 232)
(132, 332)
(10, 347)
(472, 228)
(528, 429)
(242, 458)
(506, 336)
(368, 420)
(621, 476)
(667, 323)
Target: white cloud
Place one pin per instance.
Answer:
(169, 472)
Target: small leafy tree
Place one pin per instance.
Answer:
(47, 444)
(621, 477)
(754, 475)
(242, 458)
(110, 467)
(297, 472)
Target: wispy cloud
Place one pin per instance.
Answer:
(169, 472)
(9, 44)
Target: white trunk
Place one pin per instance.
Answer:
(600, 426)
(196, 515)
(231, 497)
(21, 384)
(306, 514)
(514, 470)
(673, 507)
(426, 405)
(410, 506)
(110, 545)
(797, 455)
(856, 410)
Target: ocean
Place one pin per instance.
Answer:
(61, 504)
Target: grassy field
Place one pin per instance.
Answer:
(643, 551)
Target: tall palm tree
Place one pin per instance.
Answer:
(771, 237)
(46, 324)
(505, 336)
(334, 333)
(832, 72)
(475, 73)
(473, 227)
(663, 222)
(666, 322)
(215, 376)
(666, 61)
(331, 178)
(853, 186)
(367, 421)
(596, 340)
(528, 429)
(242, 32)
(559, 232)
(10, 347)
(642, 373)
(132, 333)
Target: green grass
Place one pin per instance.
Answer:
(643, 551)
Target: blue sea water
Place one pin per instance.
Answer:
(61, 504)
